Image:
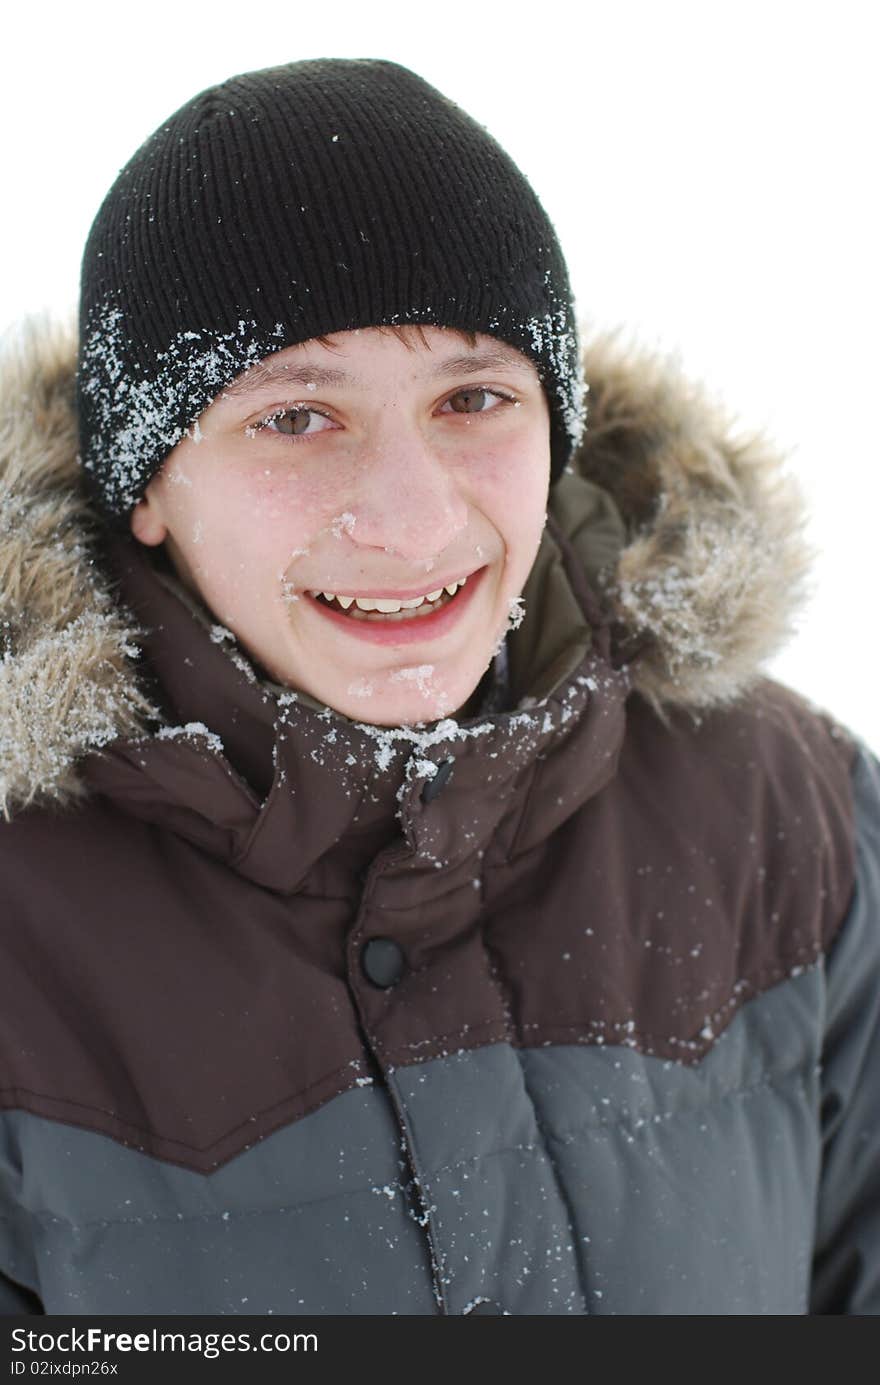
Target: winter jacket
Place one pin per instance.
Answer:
(567, 1007)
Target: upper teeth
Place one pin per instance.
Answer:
(386, 607)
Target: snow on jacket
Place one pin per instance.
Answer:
(569, 1007)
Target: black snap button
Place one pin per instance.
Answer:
(484, 1308)
(433, 786)
(383, 961)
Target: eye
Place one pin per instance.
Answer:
(474, 400)
(295, 421)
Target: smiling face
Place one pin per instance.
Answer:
(377, 466)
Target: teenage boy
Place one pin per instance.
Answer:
(414, 898)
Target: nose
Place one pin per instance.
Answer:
(409, 498)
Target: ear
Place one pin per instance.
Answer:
(146, 520)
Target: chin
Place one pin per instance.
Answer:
(417, 718)
(380, 712)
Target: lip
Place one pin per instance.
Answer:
(415, 631)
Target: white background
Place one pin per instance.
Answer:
(711, 170)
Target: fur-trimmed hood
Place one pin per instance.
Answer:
(709, 565)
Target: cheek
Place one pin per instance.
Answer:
(513, 483)
(276, 497)
(247, 512)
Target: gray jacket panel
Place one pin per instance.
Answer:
(847, 1265)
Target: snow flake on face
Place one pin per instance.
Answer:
(361, 687)
(419, 675)
(343, 524)
(135, 417)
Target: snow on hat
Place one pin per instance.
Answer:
(295, 202)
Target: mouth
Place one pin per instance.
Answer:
(429, 619)
(349, 607)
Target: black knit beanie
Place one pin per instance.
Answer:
(295, 202)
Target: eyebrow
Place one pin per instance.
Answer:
(269, 374)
